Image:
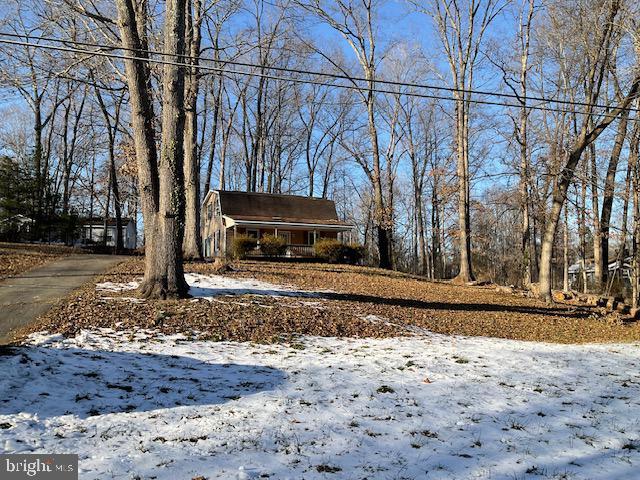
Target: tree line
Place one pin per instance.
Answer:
(519, 160)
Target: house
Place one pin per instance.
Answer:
(299, 220)
(17, 225)
(92, 231)
(577, 272)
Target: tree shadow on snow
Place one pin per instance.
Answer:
(51, 382)
(206, 292)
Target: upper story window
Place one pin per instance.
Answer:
(209, 212)
(217, 207)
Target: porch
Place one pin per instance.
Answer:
(293, 251)
(299, 240)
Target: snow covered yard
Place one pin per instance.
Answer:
(150, 406)
(210, 286)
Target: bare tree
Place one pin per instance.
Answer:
(161, 182)
(597, 63)
(355, 22)
(462, 27)
(192, 244)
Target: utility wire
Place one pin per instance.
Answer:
(223, 71)
(522, 99)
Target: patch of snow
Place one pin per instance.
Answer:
(139, 404)
(117, 287)
(210, 286)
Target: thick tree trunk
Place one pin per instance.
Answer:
(172, 194)
(161, 189)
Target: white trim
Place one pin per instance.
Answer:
(241, 223)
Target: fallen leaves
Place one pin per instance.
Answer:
(17, 258)
(364, 302)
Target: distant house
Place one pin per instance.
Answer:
(299, 220)
(92, 231)
(577, 272)
(17, 224)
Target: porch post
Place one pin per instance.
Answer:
(276, 231)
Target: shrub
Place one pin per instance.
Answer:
(353, 253)
(242, 245)
(273, 246)
(334, 251)
(329, 249)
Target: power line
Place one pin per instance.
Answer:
(225, 71)
(520, 98)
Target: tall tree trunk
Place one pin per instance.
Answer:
(172, 190)
(525, 240)
(112, 131)
(380, 219)
(465, 273)
(192, 244)
(582, 225)
(565, 270)
(217, 104)
(105, 229)
(609, 192)
(161, 187)
(595, 213)
(634, 161)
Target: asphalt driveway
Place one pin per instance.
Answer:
(24, 297)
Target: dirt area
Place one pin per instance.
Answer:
(17, 258)
(354, 301)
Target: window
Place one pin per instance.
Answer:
(216, 242)
(209, 212)
(286, 236)
(218, 210)
(309, 238)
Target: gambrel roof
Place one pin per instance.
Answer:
(277, 208)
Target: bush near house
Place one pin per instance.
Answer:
(273, 246)
(334, 251)
(242, 245)
(354, 253)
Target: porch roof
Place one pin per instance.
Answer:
(284, 224)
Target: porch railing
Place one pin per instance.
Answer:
(300, 251)
(292, 251)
